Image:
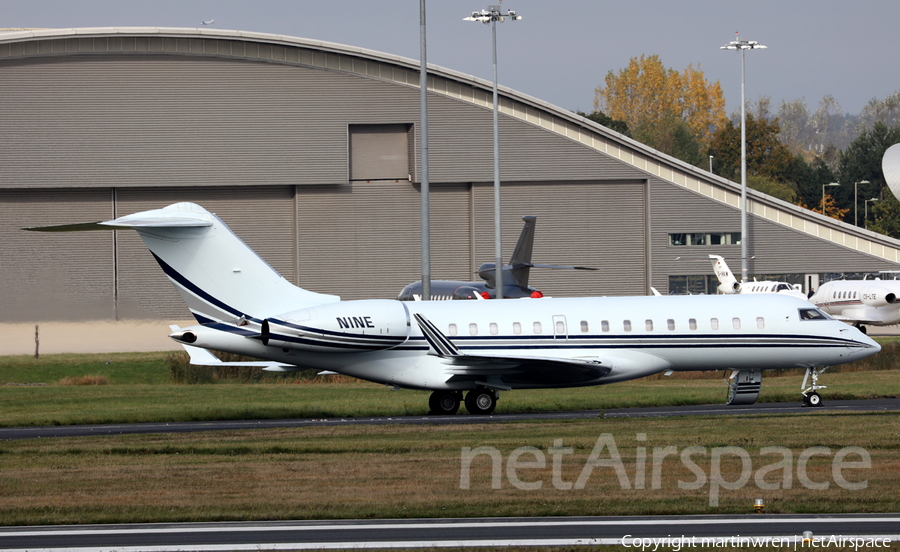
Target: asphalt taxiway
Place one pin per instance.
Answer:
(44, 432)
(707, 531)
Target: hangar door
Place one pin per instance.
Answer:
(598, 224)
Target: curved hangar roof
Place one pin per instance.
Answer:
(465, 88)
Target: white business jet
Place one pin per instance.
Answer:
(480, 347)
(860, 302)
(728, 284)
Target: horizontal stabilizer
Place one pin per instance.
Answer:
(160, 218)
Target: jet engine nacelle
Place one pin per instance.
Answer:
(726, 288)
(877, 296)
(343, 327)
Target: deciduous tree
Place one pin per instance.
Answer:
(652, 99)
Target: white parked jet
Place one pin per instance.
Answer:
(860, 302)
(449, 347)
(728, 284)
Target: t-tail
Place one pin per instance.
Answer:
(728, 284)
(219, 277)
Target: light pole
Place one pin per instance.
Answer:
(423, 138)
(856, 201)
(823, 193)
(491, 15)
(710, 164)
(866, 215)
(742, 44)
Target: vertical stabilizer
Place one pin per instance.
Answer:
(520, 263)
(219, 277)
(728, 284)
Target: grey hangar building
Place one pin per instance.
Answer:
(309, 151)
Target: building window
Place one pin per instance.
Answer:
(705, 238)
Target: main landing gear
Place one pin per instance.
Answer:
(479, 401)
(810, 397)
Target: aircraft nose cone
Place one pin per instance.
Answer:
(865, 346)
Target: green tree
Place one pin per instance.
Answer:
(766, 155)
(602, 118)
(782, 190)
(861, 161)
(885, 217)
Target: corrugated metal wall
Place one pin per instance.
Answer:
(775, 248)
(55, 276)
(598, 224)
(265, 146)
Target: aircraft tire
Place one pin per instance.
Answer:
(444, 403)
(813, 399)
(481, 401)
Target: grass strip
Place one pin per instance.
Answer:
(415, 471)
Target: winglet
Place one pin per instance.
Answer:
(440, 344)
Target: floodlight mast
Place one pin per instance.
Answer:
(742, 44)
(423, 141)
(491, 15)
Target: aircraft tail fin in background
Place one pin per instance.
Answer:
(728, 284)
(218, 276)
(520, 262)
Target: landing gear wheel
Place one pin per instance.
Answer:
(813, 399)
(444, 402)
(481, 401)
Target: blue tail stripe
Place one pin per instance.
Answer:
(187, 284)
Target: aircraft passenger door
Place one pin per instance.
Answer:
(559, 327)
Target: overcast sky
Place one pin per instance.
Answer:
(561, 51)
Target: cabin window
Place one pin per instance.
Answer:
(761, 323)
(627, 325)
(560, 327)
(714, 323)
(604, 325)
(584, 326)
(537, 327)
(473, 329)
(452, 329)
(649, 325)
(670, 324)
(494, 329)
(517, 328)
(854, 295)
(692, 323)
(736, 322)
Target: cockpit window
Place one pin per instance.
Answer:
(813, 314)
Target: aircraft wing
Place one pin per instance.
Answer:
(506, 371)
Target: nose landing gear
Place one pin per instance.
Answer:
(810, 397)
